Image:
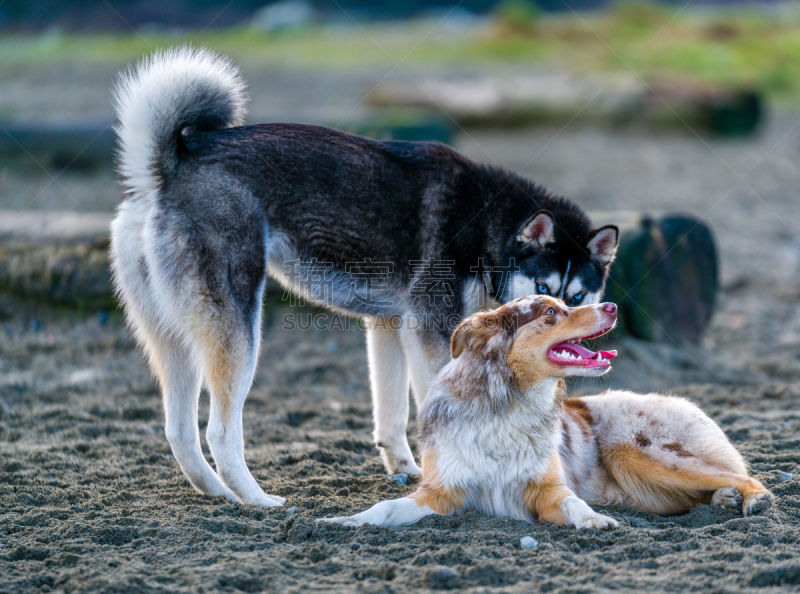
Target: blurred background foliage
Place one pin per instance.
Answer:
(722, 43)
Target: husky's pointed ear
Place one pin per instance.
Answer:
(475, 331)
(538, 231)
(602, 244)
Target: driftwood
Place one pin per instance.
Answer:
(90, 143)
(74, 142)
(56, 256)
(417, 112)
(558, 99)
(664, 278)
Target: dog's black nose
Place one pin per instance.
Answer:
(610, 308)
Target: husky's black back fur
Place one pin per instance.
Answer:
(343, 198)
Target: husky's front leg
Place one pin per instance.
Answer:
(426, 351)
(394, 512)
(388, 377)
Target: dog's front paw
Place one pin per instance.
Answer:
(727, 497)
(580, 515)
(354, 521)
(394, 512)
(598, 521)
(756, 503)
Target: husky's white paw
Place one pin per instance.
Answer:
(410, 468)
(756, 503)
(727, 497)
(264, 500)
(598, 521)
(218, 491)
(398, 459)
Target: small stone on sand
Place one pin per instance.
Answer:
(440, 577)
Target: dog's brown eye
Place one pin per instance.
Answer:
(551, 312)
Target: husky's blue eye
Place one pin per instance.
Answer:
(541, 289)
(577, 298)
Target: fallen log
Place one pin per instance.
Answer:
(56, 256)
(90, 143)
(552, 99)
(73, 142)
(664, 279)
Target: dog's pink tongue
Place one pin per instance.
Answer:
(582, 352)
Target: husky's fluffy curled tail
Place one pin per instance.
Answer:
(195, 313)
(164, 95)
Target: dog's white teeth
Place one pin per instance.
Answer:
(567, 355)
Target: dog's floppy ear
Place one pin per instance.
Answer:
(458, 341)
(602, 244)
(478, 328)
(538, 231)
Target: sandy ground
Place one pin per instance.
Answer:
(91, 499)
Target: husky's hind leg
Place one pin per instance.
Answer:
(228, 344)
(229, 375)
(180, 385)
(169, 359)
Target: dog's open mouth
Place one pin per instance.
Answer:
(570, 352)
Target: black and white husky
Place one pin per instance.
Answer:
(411, 237)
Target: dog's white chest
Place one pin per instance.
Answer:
(491, 460)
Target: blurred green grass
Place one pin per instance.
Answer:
(746, 47)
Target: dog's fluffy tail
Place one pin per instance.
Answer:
(161, 97)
